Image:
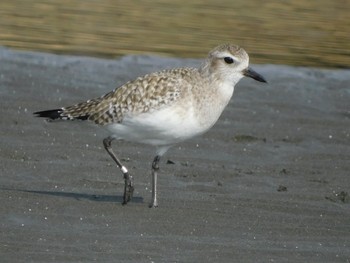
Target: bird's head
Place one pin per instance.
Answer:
(229, 63)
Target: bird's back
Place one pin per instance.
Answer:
(145, 94)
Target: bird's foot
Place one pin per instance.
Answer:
(154, 204)
(128, 189)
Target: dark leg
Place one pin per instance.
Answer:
(129, 185)
(155, 168)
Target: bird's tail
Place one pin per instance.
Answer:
(50, 114)
(80, 111)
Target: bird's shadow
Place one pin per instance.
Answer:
(80, 196)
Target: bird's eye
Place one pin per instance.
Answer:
(228, 60)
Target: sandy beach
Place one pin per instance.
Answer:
(270, 182)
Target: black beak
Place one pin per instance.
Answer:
(248, 72)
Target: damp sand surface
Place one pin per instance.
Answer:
(268, 183)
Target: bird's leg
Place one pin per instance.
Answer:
(129, 185)
(155, 168)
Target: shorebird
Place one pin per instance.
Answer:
(164, 108)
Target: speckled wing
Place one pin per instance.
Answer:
(145, 94)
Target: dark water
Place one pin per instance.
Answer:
(308, 33)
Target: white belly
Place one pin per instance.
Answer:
(175, 123)
(163, 127)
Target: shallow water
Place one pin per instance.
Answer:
(308, 33)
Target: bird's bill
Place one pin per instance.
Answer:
(250, 73)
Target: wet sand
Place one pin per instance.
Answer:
(269, 183)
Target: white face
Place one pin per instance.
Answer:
(228, 67)
(228, 64)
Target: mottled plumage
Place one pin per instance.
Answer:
(145, 94)
(166, 107)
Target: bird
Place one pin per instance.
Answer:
(163, 108)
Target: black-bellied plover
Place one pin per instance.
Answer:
(164, 108)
